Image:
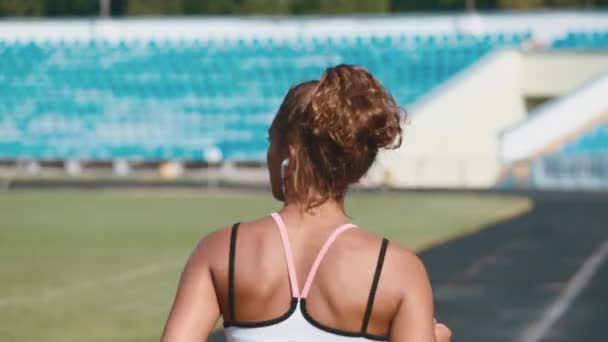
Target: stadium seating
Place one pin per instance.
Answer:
(193, 100)
(582, 41)
(579, 164)
(593, 142)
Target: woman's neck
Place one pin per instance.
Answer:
(329, 210)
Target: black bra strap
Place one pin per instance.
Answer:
(233, 233)
(372, 292)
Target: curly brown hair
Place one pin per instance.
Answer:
(338, 124)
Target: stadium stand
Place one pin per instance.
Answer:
(596, 40)
(563, 143)
(194, 100)
(593, 142)
(578, 164)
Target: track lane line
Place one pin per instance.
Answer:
(577, 283)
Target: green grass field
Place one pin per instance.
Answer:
(103, 266)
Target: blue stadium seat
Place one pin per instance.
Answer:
(157, 100)
(594, 142)
(582, 40)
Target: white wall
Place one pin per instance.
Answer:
(452, 137)
(550, 74)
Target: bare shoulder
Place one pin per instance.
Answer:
(210, 246)
(403, 279)
(404, 259)
(405, 269)
(215, 245)
(398, 257)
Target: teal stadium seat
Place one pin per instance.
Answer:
(594, 142)
(583, 161)
(158, 100)
(582, 40)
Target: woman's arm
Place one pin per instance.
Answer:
(195, 310)
(414, 320)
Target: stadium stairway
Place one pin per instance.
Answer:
(451, 139)
(563, 144)
(472, 129)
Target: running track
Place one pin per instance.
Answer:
(542, 276)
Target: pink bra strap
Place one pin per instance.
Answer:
(293, 278)
(321, 255)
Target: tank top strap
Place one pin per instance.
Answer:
(293, 278)
(231, 261)
(372, 293)
(291, 269)
(315, 266)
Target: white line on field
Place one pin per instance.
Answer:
(52, 293)
(575, 285)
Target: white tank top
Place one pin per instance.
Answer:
(296, 325)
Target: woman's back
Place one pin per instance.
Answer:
(336, 298)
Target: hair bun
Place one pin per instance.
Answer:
(351, 108)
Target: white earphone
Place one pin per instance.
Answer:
(284, 166)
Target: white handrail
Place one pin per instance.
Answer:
(554, 120)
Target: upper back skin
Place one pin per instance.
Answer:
(340, 290)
